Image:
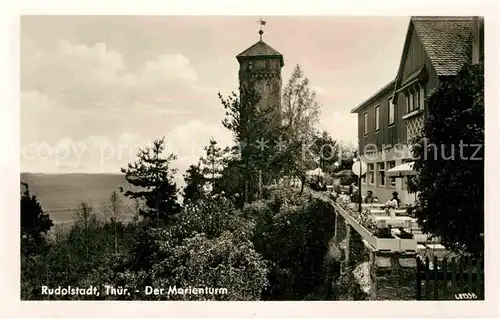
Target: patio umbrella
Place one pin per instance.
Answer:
(401, 170)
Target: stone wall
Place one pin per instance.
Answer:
(393, 276)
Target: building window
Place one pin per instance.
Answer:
(391, 112)
(268, 64)
(377, 118)
(366, 123)
(422, 96)
(371, 173)
(391, 180)
(381, 174)
(415, 97)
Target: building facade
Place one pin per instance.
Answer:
(434, 48)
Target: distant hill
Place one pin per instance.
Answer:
(60, 194)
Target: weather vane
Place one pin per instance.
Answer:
(261, 23)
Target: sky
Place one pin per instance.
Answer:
(96, 88)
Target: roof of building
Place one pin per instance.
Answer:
(262, 50)
(388, 87)
(446, 40)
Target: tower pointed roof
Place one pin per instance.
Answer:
(260, 50)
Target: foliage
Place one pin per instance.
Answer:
(113, 210)
(228, 261)
(34, 223)
(294, 238)
(211, 216)
(194, 179)
(154, 178)
(349, 287)
(81, 257)
(327, 151)
(450, 177)
(209, 245)
(232, 181)
(300, 108)
(300, 114)
(255, 130)
(240, 111)
(212, 162)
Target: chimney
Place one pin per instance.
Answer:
(476, 39)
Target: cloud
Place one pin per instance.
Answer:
(82, 77)
(70, 90)
(99, 153)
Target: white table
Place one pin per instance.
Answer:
(398, 221)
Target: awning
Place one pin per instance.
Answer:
(401, 170)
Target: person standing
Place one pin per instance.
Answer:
(395, 199)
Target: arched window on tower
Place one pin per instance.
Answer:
(250, 65)
(268, 64)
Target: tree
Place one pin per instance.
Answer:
(208, 246)
(113, 210)
(232, 182)
(293, 234)
(346, 156)
(327, 151)
(449, 162)
(300, 108)
(84, 215)
(300, 115)
(153, 177)
(194, 179)
(248, 125)
(35, 223)
(212, 162)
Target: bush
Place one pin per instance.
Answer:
(82, 256)
(294, 238)
(228, 261)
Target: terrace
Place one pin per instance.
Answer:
(384, 230)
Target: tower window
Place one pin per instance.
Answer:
(250, 65)
(268, 64)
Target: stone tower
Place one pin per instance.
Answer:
(260, 67)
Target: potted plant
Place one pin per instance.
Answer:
(385, 239)
(383, 233)
(407, 241)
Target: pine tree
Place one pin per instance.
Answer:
(241, 113)
(153, 179)
(34, 223)
(212, 162)
(195, 181)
